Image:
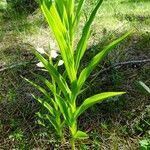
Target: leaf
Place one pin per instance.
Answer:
(81, 47)
(62, 38)
(63, 108)
(54, 73)
(81, 135)
(46, 82)
(45, 104)
(53, 121)
(62, 12)
(93, 100)
(41, 89)
(78, 13)
(97, 59)
(143, 87)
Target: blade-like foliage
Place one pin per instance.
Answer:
(55, 124)
(143, 87)
(82, 45)
(45, 104)
(46, 82)
(61, 36)
(62, 12)
(97, 59)
(41, 89)
(81, 135)
(93, 100)
(78, 13)
(54, 73)
(63, 108)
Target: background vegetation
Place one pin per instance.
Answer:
(122, 123)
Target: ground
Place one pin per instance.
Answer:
(120, 123)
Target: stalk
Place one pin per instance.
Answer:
(72, 143)
(73, 131)
(62, 138)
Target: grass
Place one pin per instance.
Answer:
(110, 127)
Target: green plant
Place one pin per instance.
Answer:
(23, 5)
(63, 17)
(144, 144)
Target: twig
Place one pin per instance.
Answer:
(118, 65)
(17, 65)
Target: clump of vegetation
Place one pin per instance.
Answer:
(61, 98)
(117, 123)
(23, 5)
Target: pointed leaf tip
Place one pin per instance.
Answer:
(81, 135)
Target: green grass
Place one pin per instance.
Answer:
(109, 126)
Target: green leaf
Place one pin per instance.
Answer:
(62, 38)
(45, 104)
(93, 100)
(54, 73)
(62, 12)
(53, 121)
(97, 59)
(81, 135)
(41, 89)
(78, 13)
(46, 82)
(82, 45)
(143, 87)
(63, 108)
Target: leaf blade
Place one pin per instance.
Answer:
(95, 99)
(81, 135)
(53, 72)
(45, 104)
(81, 47)
(97, 59)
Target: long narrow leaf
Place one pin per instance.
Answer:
(62, 12)
(81, 47)
(78, 13)
(62, 38)
(63, 108)
(46, 82)
(93, 100)
(81, 135)
(53, 121)
(41, 89)
(54, 73)
(97, 59)
(45, 104)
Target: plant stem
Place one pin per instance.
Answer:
(72, 143)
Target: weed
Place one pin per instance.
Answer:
(63, 20)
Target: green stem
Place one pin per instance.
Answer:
(72, 143)
(62, 138)
(73, 131)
